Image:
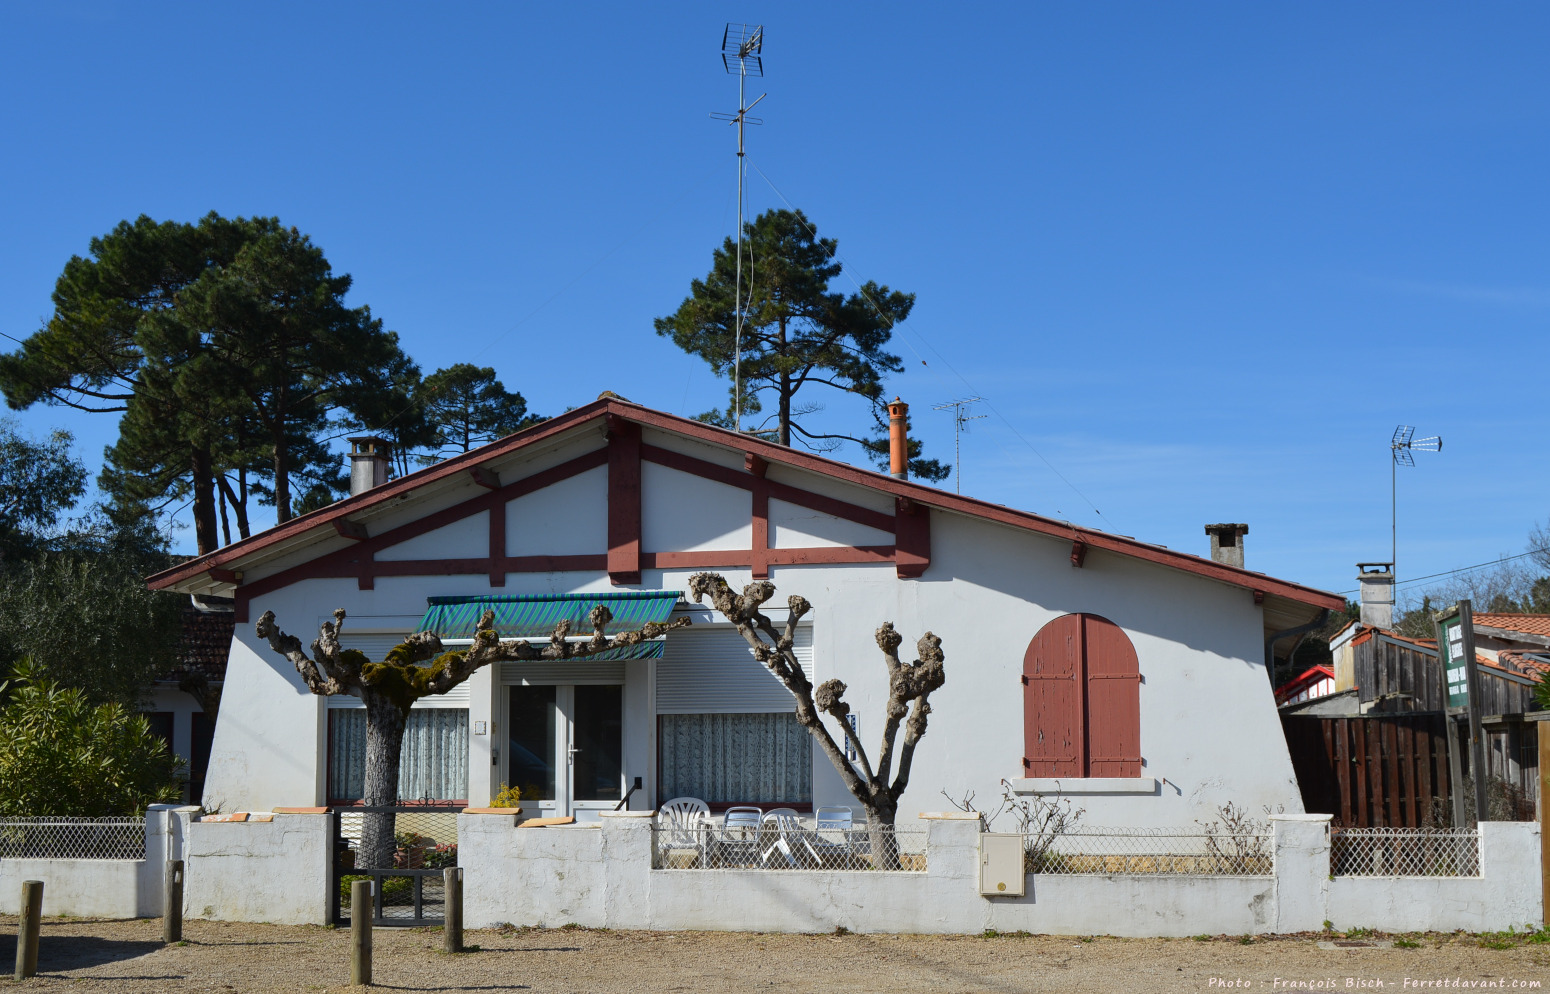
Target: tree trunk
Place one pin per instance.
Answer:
(880, 816)
(282, 479)
(385, 723)
(205, 534)
(239, 505)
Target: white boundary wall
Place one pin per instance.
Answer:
(600, 876)
(276, 871)
(103, 888)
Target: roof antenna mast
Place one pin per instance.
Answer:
(1400, 446)
(741, 48)
(960, 425)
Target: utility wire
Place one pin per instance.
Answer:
(1462, 569)
(846, 269)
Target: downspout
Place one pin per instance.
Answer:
(1270, 643)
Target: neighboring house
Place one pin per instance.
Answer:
(1129, 676)
(1392, 673)
(1315, 682)
(176, 705)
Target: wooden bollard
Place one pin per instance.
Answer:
(27, 929)
(452, 901)
(360, 933)
(172, 903)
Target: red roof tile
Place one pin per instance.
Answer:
(1528, 624)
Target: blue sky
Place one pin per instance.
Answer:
(1200, 258)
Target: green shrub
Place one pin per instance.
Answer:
(62, 755)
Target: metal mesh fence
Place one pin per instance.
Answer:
(410, 891)
(1404, 852)
(789, 846)
(1150, 851)
(72, 838)
(424, 839)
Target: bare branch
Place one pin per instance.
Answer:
(289, 646)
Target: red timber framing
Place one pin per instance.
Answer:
(909, 523)
(625, 558)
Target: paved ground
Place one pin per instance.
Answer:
(127, 956)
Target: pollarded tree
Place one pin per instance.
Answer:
(909, 689)
(420, 667)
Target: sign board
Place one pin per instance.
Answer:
(1461, 681)
(1451, 637)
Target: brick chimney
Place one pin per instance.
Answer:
(1227, 543)
(898, 446)
(1376, 581)
(368, 463)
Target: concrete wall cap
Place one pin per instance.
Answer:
(1279, 817)
(627, 814)
(301, 811)
(512, 812)
(950, 815)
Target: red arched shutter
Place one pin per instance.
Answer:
(1081, 700)
(1052, 700)
(1113, 700)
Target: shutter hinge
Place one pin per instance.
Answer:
(1025, 679)
(1027, 763)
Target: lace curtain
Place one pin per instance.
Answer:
(763, 759)
(433, 764)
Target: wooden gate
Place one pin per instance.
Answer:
(1373, 771)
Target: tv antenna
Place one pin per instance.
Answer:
(960, 425)
(742, 46)
(1401, 446)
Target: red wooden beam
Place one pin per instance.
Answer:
(760, 540)
(911, 538)
(624, 501)
(484, 478)
(351, 529)
(497, 545)
(1078, 553)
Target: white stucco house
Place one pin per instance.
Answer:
(1126, 675)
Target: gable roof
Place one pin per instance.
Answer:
(220, 565)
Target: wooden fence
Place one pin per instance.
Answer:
(1375, 771)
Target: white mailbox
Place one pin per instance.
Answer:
(1001, 865)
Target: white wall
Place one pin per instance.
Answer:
(278, 871)
(103, 888)
(600, 876)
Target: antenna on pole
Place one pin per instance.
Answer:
(742, 46)
(960, 425)
(1401, 445)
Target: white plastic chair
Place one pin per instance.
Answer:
(789, 839)
(738, 843)
(683, 823)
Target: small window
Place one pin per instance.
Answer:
(432, 764)
(764, 759)
(1081, 700)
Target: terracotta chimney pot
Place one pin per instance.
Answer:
(898, 448)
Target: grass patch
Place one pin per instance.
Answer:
(1245, 940)
(1201, 938)
(1407, 944)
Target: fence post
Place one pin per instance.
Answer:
(452, 903)
(360, 933)
(1301, 867)
(27, 929)
(172, 903)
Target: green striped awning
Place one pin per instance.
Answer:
(533, 616)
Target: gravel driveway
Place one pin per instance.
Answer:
(127, 956)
